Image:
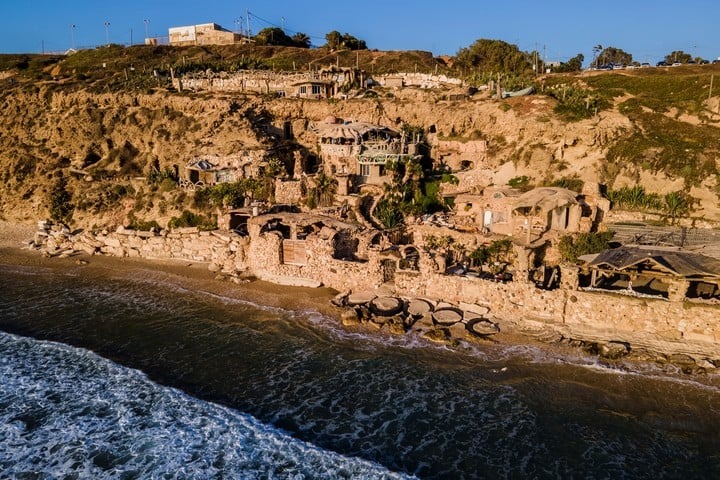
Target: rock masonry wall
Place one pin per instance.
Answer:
(652, 324)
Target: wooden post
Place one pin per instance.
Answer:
(712, 77)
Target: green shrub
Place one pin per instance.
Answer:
(61, 206)
(521, 182)
(573, 246)
(571, 183)
(190, 219)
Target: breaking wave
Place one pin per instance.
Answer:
(66, 411)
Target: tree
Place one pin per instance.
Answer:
(677, 204)
(596, 51)
(572, 65)
(616, 56)
(494, 56)
(333, 40)
(336, 41)
(301, 40)
(678, 56)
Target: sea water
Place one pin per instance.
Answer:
(125, 377)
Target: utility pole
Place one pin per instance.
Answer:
(72, 36)
(249, 33)
(131, 38)
(147, 28)
(282, 21)
(107, 33)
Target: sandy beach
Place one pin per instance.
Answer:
(195, 276)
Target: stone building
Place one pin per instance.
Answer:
(357, 153)
(203, 34)
(531, 216)
(668, 273)
(317, 84)
(207, 170)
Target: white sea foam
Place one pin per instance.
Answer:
(65, 411)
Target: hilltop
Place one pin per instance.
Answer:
(111, 115)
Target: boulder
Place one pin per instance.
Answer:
(417, 308)
(614, 350)
(340, 300)
(386, 306)
(350, 317)
(396, 326)
(447, 316)
(483, 327)
(425, 321)
(472, 308)
(436, 335)
(360, 298)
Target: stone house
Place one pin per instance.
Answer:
(531, 215)
(203, 34)
(310, 88)
(214, 169)
(358, 152)
(489, 212)
(306, 249)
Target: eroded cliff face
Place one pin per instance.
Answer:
(49, 132)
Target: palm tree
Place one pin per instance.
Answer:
(676, 205)
(324, 191)
(301, 40)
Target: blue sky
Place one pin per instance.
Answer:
(561, 28)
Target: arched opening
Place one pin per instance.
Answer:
(467, 165)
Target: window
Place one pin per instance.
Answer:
(316, 89)
(365, 170)
(303, 90)
(381, 170)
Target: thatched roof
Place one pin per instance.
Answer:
(546, 199)
(682, 264)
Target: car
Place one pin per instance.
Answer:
(676, 64)
(645, 65)
(661, 63)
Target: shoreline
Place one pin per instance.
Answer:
(196, 276)
(524, 331)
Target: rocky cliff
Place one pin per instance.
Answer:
(99, 144)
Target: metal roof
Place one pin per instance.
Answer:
(683, 264)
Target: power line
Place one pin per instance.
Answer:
(268, 22)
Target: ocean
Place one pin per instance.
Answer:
(138, 376)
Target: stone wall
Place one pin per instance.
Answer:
(265, 261)
(288, 191)
(419, 80)
(652, 324)
(645, 323)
